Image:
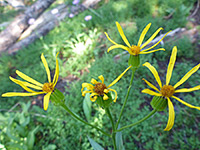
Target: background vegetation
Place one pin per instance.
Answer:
(82, 46)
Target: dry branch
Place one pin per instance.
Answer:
(10, 35)
(47, 21)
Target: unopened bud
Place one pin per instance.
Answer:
(159, 103)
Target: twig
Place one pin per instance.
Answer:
(11, 109)
(195, 11)
(43, 116)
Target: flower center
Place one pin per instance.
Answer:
(99, 88)
(135, 49)
(48, 87)
(167, 90)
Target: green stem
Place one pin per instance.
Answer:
(125, 101)
(78, 118)
(143, 119)
(113, 128)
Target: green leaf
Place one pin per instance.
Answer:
(119, 140)
(87, 106)
(31, 138)
(95, 145)
(50, 147)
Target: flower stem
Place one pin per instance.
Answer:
(113, 128)
(79, 119)
(125, 101)
(143, 119)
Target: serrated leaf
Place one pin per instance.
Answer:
(87, 106)
(119, 140)
(95, 145)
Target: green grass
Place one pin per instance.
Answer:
(57, 130)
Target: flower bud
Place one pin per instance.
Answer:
(134, 60)
(159, 103)
(57, 97)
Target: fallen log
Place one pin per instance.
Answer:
(47, 21)
(10, 35)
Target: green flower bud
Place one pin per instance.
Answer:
(159, 103)
(57, 97)
(134, 60)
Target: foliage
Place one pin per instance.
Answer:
(57, 130)
(16, 130)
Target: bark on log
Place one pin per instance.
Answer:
(10, 35)
(47, 21)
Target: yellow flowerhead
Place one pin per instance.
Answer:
(46, 88)
(167, 91)
(100, 89)
(139, 48)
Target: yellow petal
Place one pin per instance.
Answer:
(143, 34)
(151, 85)
(115, 94)
(27, 78)
(101, 78)
(118, 46)
(93, 97)
(154, 72)
(88, 86)
(105, 90)
(122, 34)
(171, 118)
(110, 39)
(46, 101)
(93, 81)
(157, 42)
(188, 90)
(193, 70)
(160, 49)
(150, 92)
(11, 94)
(171, 65)
(56, 75)
(46, 67)
(26, 84)
(151, 38)
(189, 105)
(119, 77)
(22, 85)
(84, 92)
(105, 97)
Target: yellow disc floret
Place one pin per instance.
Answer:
(167, 90)
(48, 87)
(99, 88)
(135, 49)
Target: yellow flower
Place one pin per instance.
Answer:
(167, 90)
(100, 89)
(139, 48)
(46, 88)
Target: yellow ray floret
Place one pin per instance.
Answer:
(171, 65)
(166, 91)
(139, 48)
(154, 72)
(192, 71)
(46, 88)
(171, 118)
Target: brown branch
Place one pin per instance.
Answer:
(10, 35)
